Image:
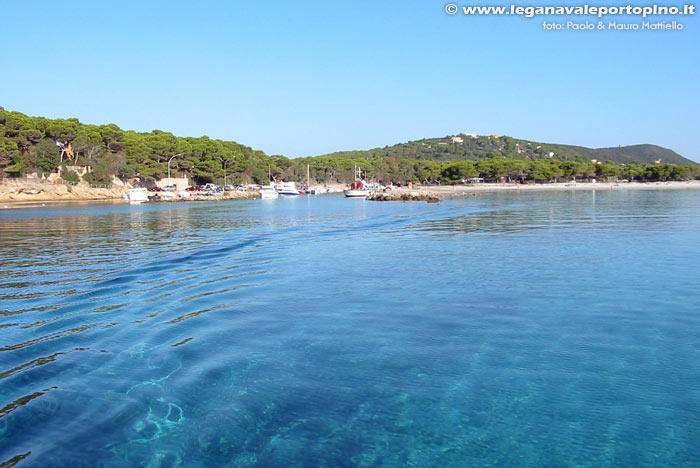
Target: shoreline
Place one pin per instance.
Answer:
(457, 190)
(40, 190)
(18, 195)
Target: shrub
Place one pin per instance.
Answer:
(70, 176)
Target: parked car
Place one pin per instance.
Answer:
(170, 188)
(211, 188)
(228, 188)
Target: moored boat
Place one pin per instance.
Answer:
(359, 188)
(268, 192)
(138, 195)
(289, 189)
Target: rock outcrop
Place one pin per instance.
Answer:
(44, 190)
(404, 196)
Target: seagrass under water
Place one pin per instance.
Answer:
(541, 329)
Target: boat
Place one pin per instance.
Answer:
(289, 189)
(359, 188)
(268, 192)
(138, 195)
(308, 190)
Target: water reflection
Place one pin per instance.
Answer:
(533, 211)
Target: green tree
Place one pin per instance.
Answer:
(88, 143)
(631, 171)
(46, 156)
(607, 171)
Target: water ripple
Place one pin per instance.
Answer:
(542, 329)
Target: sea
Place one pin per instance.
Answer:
(541, 329)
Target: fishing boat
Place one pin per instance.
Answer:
(359, 188)
(138, 195)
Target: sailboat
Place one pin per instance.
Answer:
(308, 190)
(316, 190)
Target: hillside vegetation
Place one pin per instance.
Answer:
(646, 154)
(472, 147)
(31, 145)
(28, 144)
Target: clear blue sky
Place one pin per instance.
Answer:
(309, 77)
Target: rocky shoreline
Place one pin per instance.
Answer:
(404, 196)
(42, 190)
(206, 198)
(24, 190)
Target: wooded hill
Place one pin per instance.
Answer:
(472, 147)
(645, 154)
(28, 145)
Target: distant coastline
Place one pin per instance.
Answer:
(15, 193)
(102, 155)
(561, 186)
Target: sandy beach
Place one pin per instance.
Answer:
(446, 191)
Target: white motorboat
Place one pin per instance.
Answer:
(268, 192)
(289, 189)
(138, 195)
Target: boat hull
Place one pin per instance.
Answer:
(138, 195)
(355, 193)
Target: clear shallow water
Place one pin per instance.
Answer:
(542, 329)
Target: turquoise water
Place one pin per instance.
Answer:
(534, 330)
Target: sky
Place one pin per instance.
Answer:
(302, 78)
